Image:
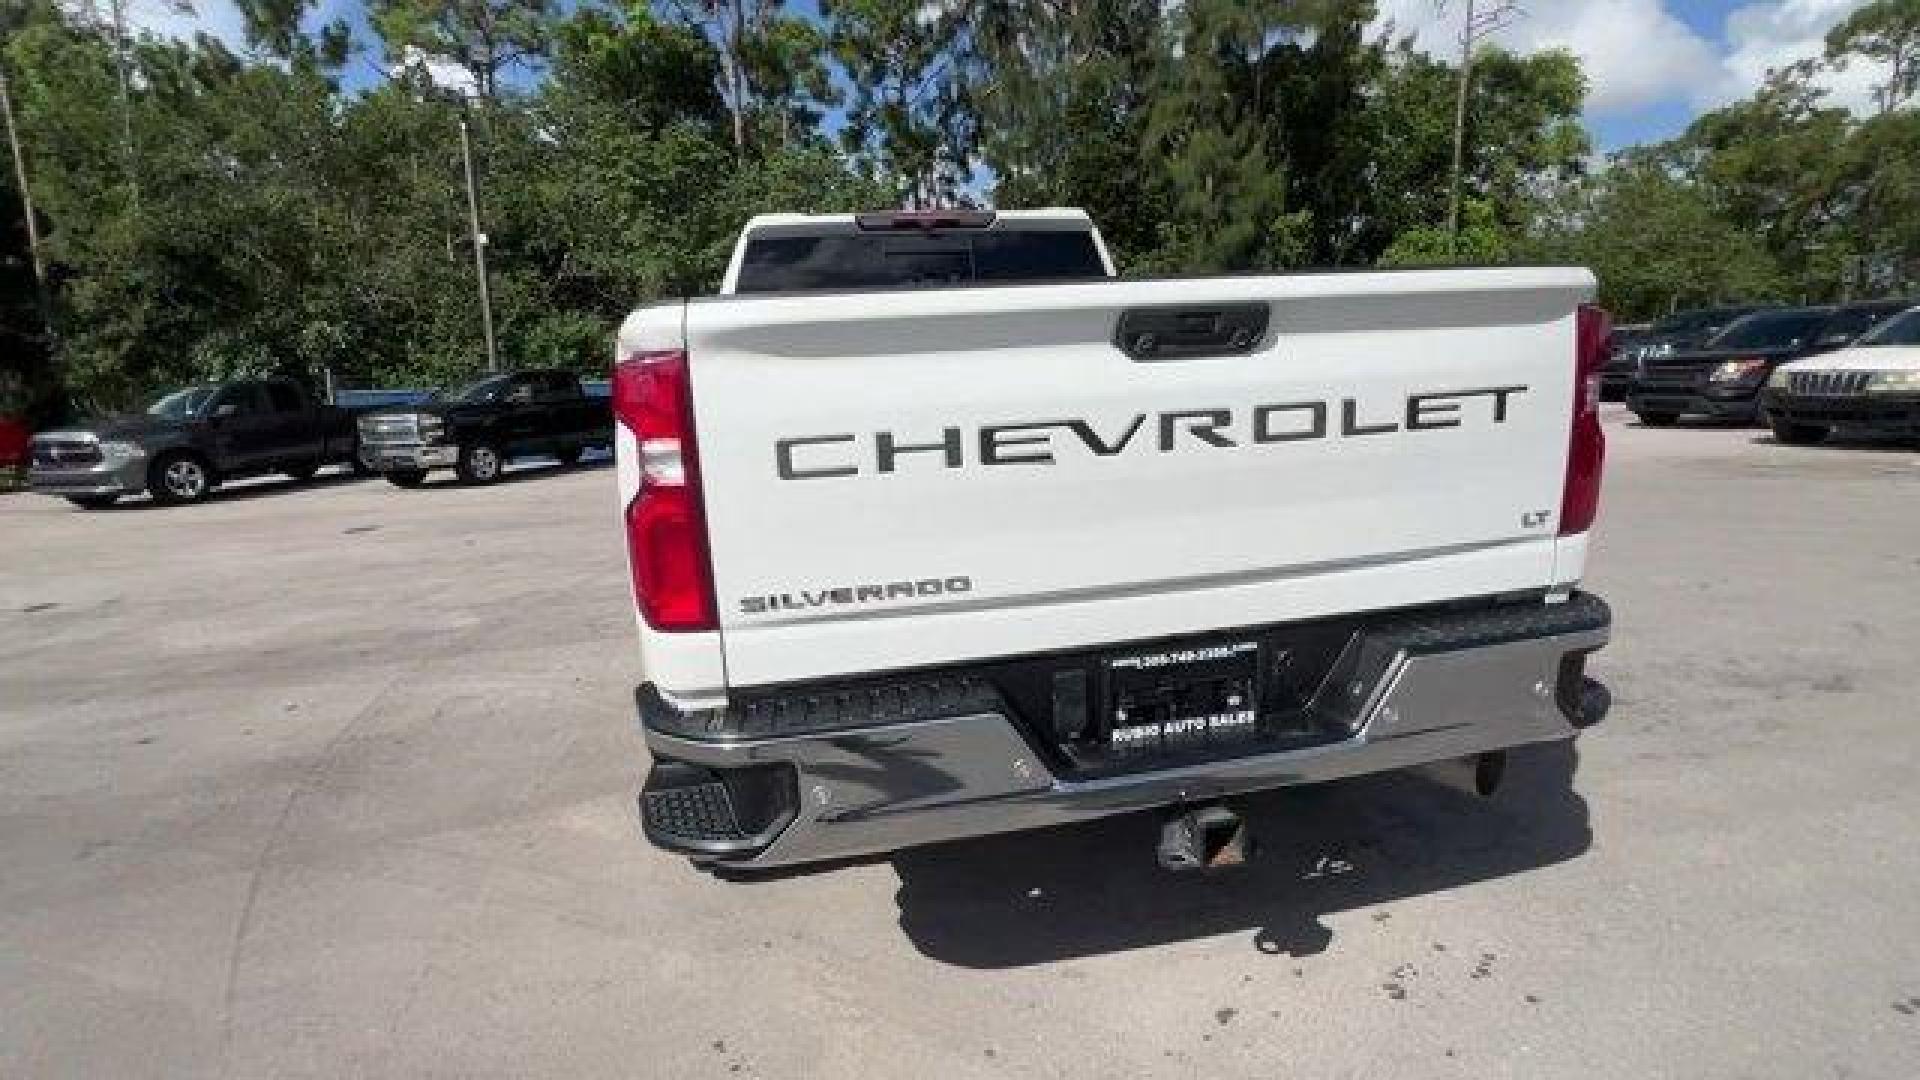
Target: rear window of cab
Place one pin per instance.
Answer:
(910, 260)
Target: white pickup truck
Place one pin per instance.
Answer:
(937, 530)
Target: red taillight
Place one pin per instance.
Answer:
(1587, 445)
(666, 524)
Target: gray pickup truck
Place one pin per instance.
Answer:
(187, 441)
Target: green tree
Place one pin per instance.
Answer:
(275, 28)
(1481, 241)
(1061, 94)
(909, 117)
(28, 385)
(1886, 31)
(787, 63)
(634, 68)
(1523, 138)
(1875, 203)
(1226, 207)
(773, 72)
(484, 38)
(1327, 115)
(1770, 166)
(1655, 239)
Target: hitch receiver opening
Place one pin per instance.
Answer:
(1205, 838)
(1479, 775)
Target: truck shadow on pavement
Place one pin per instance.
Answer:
(1853, 440)
(521, 472)
(261, 487)
(1088, 889)
(253, 487)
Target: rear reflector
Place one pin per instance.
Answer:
(1587, 444)
(666, 523)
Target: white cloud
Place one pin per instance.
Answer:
(1634, 52)
(1772, 34)
(182, 19)
(445, 74)
(930, 12)
(169, 19)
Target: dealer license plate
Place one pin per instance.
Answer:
(1182, 697)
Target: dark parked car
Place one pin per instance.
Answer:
(1684, 331)
(475, 429)
(1679, 332)
(1725, 375)
(188, 441)
(1623, 348)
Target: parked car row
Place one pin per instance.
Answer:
(1803, 370)
(1758, 366)
(187, 442)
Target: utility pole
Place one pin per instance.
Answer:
(41, 292)
(1459, 133)
(479, 244)
(1475, 27)
(119, 8)
(739, 73)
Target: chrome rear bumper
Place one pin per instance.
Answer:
(1428, 697)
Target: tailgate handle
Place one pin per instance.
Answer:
(1177, 333)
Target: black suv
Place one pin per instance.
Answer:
(1724, 376)
(476, 428)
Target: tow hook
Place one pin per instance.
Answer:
(1210, 837)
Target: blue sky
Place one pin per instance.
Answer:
(1653, 65)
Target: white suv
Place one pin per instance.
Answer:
(1873, 385)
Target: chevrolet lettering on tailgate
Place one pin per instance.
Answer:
(1031, 442)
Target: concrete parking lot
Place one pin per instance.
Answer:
(337, 780)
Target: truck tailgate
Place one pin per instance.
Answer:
(921, 478)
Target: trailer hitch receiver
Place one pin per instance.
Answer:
(1205, 838)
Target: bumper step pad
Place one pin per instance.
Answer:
(714, 813)
(698, 814)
